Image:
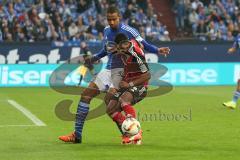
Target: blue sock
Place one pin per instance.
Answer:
(236, 96)
(82, 112)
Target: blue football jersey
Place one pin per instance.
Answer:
(115, 61)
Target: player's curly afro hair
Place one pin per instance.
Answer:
(120, 37)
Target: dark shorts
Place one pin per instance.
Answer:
(138, 93)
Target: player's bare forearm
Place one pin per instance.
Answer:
(141, 79)
(138, 81)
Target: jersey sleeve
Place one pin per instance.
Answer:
(102, 53)
(147, 46)
(134, 34)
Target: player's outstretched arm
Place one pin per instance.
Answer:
(90, 60)
(147, 46)
(164, 51)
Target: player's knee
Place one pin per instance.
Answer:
(125, 99)
(89, 93)
(86, 99)
(86, 96)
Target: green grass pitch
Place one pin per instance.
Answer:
(202, 128)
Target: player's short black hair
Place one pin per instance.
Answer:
(120, 37)
(113, 9)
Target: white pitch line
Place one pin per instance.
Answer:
(1, 126)
(27, 113)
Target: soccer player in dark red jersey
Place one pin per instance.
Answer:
(133, 87)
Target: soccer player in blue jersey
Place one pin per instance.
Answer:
(233, 103)
(109, 78)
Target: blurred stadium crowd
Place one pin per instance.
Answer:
(208, 19)
(77, 20)
(73, 20)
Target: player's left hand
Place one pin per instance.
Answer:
(124, 85)
(231, 50)
(164, 51)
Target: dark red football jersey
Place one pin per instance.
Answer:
(134, 63)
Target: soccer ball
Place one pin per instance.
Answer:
(130, 126)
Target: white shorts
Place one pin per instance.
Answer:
(108, 79)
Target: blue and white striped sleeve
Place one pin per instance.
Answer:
(147, 46)
(102, 53)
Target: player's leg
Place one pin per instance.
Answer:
(100, 82)
(126, 100)
(114, 111)
(83, 107)
(82, 111)
(233, 103)
(113, 107)
(116, 77)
